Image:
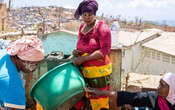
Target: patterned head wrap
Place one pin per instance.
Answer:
(86, 6)
(28, 48)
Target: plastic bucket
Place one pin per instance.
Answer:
(57, 86)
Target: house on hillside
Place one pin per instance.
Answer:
(151, 51)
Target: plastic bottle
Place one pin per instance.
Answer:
(115, 28)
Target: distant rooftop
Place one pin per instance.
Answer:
(165, 43)
(127, 38)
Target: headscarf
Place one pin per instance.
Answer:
(28, 48)
(169, 78)
(86, 6)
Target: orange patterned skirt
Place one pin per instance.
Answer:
(97, 75)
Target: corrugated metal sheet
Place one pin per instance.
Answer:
(165, 43)
(129, 38)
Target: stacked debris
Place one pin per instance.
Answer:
(139, 82)
(3, 46)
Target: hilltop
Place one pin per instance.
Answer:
(53, 18)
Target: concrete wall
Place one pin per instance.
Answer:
(157, 62)
(139, 59)
(126, 60)
(130, 58)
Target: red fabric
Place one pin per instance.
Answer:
(162, 103)
(99, 38)
(97, 62)
(80, 104)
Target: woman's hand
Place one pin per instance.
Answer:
(111, 94)
(76, 52)
(95, 91)
(79, 60)
(98, 92)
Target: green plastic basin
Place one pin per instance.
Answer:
(57, 86)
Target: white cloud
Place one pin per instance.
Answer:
(147, 9)
(105, 4)
(151, 3)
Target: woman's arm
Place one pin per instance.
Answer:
(104, 38)
(138, 99)
(95, 55)
(81, 59)
(121, 98)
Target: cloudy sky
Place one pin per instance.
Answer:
(155, 10)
